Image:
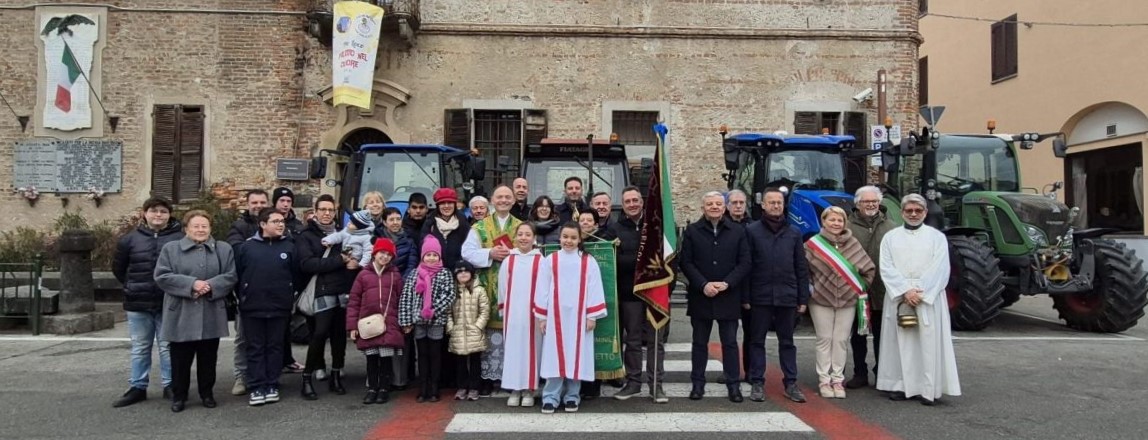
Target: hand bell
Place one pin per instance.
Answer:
(906, 315)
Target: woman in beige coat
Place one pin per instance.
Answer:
(839, 269)
(466, 326)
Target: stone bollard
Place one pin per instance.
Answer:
(77, 297)
(77, 290)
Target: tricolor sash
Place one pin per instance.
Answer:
(848, 272)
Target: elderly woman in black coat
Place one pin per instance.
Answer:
(715, 258)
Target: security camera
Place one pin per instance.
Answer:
(865, 95)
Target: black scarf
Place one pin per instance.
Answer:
(914, 228)
(773, 223)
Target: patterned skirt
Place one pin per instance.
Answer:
(493, 356)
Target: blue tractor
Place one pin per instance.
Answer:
(397, 171)
(810, 168)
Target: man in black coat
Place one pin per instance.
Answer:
(248, 222)
(736, 211)
(134, 266)
(779, 290)
(573, 204)
(636, 329)
(415, 218)
(522, 206)
(284, 200)
(715, 258)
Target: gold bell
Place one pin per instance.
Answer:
(906, 316)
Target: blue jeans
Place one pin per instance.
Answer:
(554, 390)
(143, 328)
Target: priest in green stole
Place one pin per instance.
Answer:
(488, 243)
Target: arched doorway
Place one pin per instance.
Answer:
(357, 138)
(1104, 166)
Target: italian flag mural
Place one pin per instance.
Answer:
(69, 43)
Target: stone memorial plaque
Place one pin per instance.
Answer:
(35, 165)
(69, 166)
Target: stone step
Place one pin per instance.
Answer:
(17, 301)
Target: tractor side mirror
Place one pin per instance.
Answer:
(729, 148)
(318, 167)
(906, 146)
(890, 162)
(1059, 147)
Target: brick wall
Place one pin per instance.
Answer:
(739, 62)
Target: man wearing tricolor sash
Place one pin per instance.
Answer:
(841, 272)
(917, 362)
(487, 245)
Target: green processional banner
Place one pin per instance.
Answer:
(607, 337)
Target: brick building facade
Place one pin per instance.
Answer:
(260, 84)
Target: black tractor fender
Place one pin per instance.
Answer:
(963, 231)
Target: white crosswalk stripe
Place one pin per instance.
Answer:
(520, 421)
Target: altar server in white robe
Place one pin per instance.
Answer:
(916, 362)
(517, 288)
(569, 302)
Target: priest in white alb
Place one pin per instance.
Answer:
(569, 302)
(916, 362)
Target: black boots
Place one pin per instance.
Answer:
(308, 388)
(336, 382)
(133, 396)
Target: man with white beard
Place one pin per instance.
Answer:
(916, 362)
(869, 224)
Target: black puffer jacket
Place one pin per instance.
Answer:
(334, 277)
(629, 235)
(243, 228)
(452, 244)
(268, 276)
(134, 265)
(779, 275)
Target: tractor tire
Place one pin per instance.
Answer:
(1010, 297)
(975, 284)
(1118, 296)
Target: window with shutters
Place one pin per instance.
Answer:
(820, 123)
(177, 152)
(498, 135)
(635, 130)
(1004, 49)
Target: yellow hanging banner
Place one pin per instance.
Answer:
(353, 51)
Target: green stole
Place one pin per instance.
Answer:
(488, 232)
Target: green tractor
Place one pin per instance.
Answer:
(1004, 243)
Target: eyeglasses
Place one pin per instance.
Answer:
(913, 211)
(737, 202)
(326, 210)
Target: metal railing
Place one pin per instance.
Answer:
(17, 278)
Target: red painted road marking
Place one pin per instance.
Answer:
(827, 419)
(413, 420)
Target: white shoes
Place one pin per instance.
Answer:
(527, 398)
(515, 399)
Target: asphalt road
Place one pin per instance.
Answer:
(1027, 376)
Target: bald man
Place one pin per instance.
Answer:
(487, 244)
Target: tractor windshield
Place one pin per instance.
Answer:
(398, 175)
(546, 177)
(806, 169)
(966, 164)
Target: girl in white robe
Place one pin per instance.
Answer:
(569, 302)
(517, 287)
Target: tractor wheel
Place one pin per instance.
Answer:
(1010, 297)
(1119, 292)
(975, 286)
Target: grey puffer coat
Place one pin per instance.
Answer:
(180, 264)
(467, 322)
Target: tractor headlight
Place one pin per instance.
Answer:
(1037, 236)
